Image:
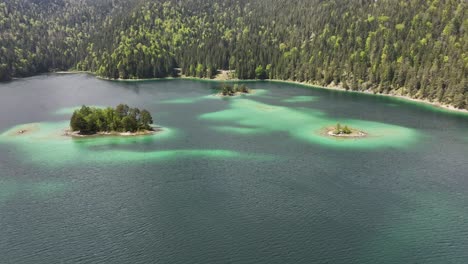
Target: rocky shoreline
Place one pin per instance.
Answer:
(332, 86)
(77, 134)
(235, 94)
(330, 131)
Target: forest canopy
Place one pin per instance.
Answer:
(90, 120)
(416, 48)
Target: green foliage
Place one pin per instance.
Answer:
(89, 120)
(416, 48)
(346, 130)
(145, 120)
(342, 130)
(337, 129)
(231, 90)
(4, 75)
(260, 72)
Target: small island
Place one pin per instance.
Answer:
(123, 121)
(233, 90)
(345, 132)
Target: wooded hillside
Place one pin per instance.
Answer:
(417, 48)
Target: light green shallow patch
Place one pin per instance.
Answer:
(44, 144)
(239, 130)
(300, 99)
(308, 125)
(191, 100)
(53, 133)
(188, 100)
(70, 110)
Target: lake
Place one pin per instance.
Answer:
(249, 179)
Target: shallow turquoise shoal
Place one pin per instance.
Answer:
(251, 117)
(214, 96)
(301, 99)
(45, 144)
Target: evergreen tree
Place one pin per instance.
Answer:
(89, 120)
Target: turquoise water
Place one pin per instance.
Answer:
(248, 179)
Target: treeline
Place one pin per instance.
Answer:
(416, 48)
(50, 35)
(90, 120)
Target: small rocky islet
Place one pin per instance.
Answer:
(227, 90)
(344, 131)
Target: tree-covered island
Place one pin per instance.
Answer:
(121, 120)
(232, 90)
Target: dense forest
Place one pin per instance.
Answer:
(417, 48)
(90, 120)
